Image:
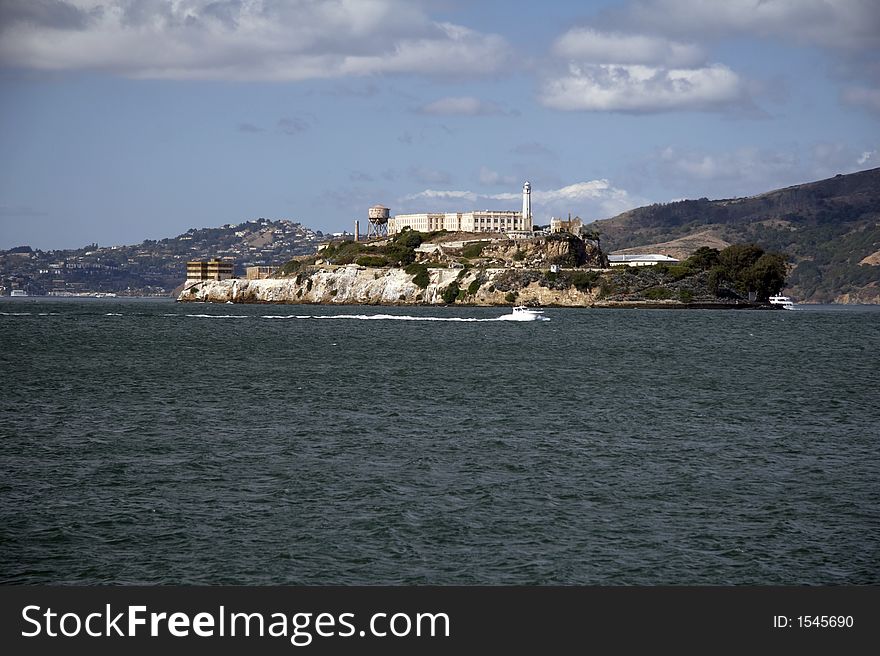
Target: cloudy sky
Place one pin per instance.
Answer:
(122, 120)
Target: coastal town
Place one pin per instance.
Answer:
(153, 267)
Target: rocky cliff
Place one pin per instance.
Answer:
(354, 284)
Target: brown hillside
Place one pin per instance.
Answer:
(829, 230)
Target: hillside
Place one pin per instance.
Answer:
(153, 266)
(829, 230)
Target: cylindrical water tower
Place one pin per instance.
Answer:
(378, 217)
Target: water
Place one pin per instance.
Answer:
(153, 442)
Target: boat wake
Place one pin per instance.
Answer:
(385, 317)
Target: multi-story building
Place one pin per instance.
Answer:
(475, 221)
(215, 269)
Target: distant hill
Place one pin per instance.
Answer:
(829, 230)
(153, 266)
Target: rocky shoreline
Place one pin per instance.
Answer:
(391, 286)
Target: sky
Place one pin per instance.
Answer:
(125, 120)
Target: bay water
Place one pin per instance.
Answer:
(146, 441)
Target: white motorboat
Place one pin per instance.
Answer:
(784, 301)
(523, 313)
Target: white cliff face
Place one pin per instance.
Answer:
(375, 286)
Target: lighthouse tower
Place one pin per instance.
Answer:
(527, 206)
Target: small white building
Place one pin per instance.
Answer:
(649, 259)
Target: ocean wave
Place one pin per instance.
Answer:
(218, 316)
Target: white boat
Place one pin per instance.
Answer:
(18, 292)
(784, 301)
(523, 313)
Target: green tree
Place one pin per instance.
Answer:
(739, 257)
(397, 252)
(703, 259)
(409, 238)
(747, 268)
(766, 276)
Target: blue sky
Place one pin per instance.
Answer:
(124, 120)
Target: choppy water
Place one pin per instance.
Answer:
(152, 442)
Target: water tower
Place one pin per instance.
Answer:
(378, 217)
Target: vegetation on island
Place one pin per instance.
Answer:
(420, 275)
(562, 261)
(828, 229)
(399, 250)
(708, 275)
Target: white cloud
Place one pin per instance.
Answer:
(848, 31)
(594, 199)
(589, 45)
(639, 88)
(253, 40)
(635, 72)
(434, 194)
(844, 24)
(866, 157)
(463, 105)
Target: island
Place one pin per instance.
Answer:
(565, 267)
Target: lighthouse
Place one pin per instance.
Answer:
(527, 206)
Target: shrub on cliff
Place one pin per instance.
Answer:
(674, 271)
(399, 252)
(419, 272)
(451, 293)
(371, 261)
(472, 250)
(408, 238)
(290, 267)
(344, 252)
(583, 281)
